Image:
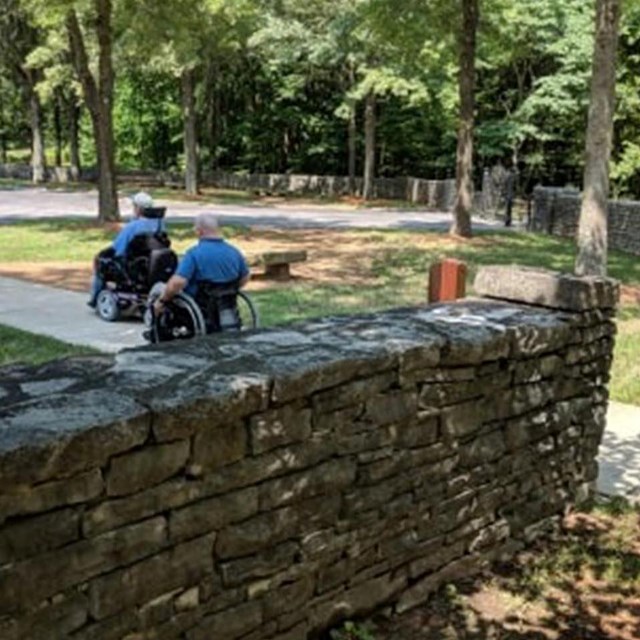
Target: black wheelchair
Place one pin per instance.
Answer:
(216, 308)
(129, 279)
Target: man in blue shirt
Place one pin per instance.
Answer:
(139, 225)
(211, 260)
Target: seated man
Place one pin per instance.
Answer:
(211, 260)
(139, 225)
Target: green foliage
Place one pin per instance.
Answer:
(352, 631)
(278, 81)
(148, 121)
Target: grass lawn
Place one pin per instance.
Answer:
(347, 272)
(22, 346)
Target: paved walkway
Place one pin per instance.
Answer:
(619, 457)
(64, 315)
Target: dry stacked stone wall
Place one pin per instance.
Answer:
(434, 194)
(269, 485)
(556, 212)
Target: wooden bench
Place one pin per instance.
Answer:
(277, 263)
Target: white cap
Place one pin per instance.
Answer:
(142, 200)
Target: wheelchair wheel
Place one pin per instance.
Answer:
(182, 318)
(107, 305)
(247, 312)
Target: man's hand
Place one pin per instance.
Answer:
(158, 307)
(175, 285)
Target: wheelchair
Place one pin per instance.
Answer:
(216, 308)
(129, 279)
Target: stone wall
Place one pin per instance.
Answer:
(434, 194)
(269, 485)
(556, 211)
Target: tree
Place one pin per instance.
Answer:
(592, 226)
(18, 37)
(466, 86)
(98, 95)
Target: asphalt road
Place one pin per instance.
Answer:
(34, 203)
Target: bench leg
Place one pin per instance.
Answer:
(277, 271)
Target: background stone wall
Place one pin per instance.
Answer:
(265, 486)
(434, 194)
(556, 211)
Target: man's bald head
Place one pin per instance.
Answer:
(207, 224)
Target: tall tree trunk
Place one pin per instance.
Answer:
(592, 227)
(99, 100)
(466, 87)
(369, 145)
(38, 160)
(213, 113)
(190, 142)
(57, 128)
(3, 136)
(74, 143)
(352, 132)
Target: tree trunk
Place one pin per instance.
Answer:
(3, 136)
(352, 132)
(74, 144)
(38, 161)
(190, 142)
(592, 227)
(466, 87)
(57, 128)
(369, 145)
(213, 114)
(99, 100)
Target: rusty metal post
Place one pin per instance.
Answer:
(447, 280)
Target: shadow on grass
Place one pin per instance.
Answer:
(584, 585)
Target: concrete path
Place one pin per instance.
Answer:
(619, 457)
(33, 203)
(64, 315)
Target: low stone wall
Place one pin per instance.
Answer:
(556, 212)
(268, 485)
(434, 194)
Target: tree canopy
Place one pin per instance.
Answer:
(284, 86)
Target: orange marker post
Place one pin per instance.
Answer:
(447, 280)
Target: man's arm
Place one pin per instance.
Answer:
(174, 286)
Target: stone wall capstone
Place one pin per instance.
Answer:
(269, 485)
(556, 211)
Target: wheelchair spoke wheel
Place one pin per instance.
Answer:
(247, 311)
(107, 305)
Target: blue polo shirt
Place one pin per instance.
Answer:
(212, 260)
(137, 227)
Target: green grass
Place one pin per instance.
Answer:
(625, 372)
(64, 240)
(27, 348)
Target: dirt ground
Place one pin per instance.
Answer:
(589, 590)
(333, 257)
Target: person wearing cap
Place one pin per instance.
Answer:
(211, 260)
(139, 225)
